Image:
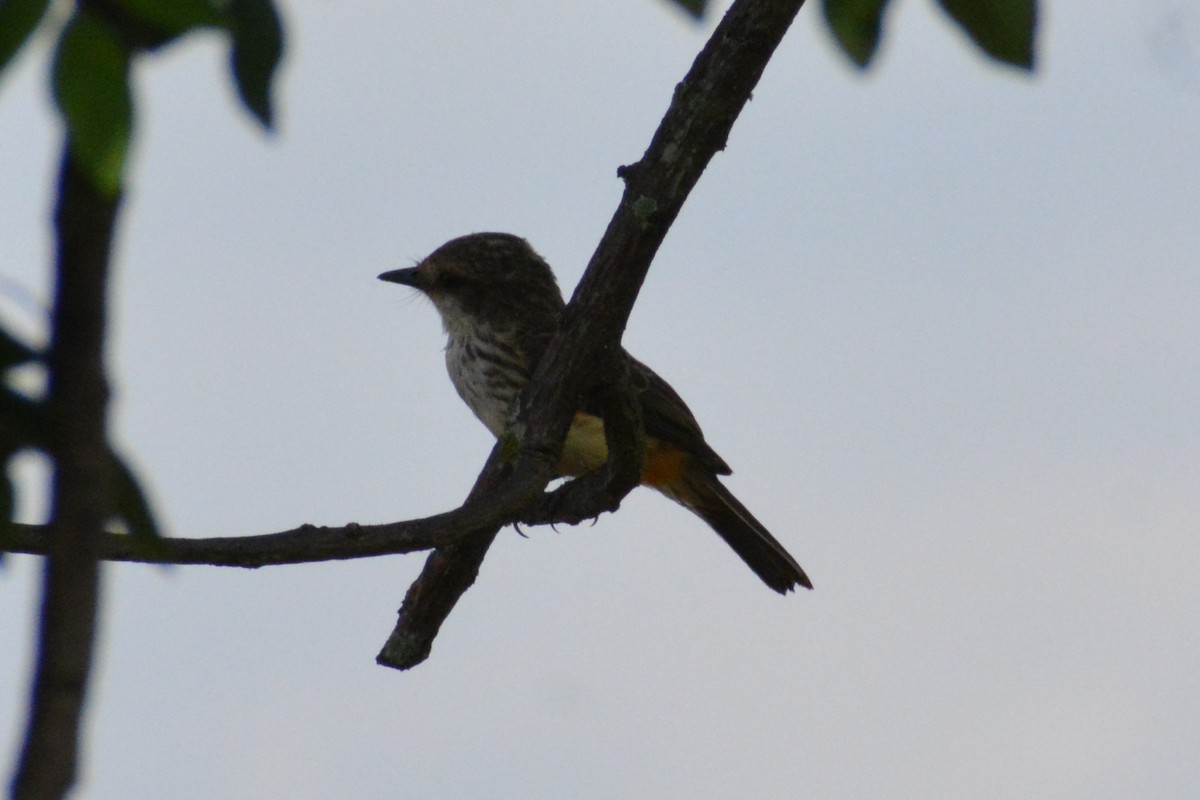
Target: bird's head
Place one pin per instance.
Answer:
(491, 278)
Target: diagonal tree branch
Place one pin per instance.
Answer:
(448, 573)
(451, 570)
(705, 105)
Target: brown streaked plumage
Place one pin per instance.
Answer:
(500, 305)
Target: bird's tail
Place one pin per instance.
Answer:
(707, 497)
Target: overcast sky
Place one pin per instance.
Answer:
(943, 320)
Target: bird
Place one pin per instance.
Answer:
(500, 306)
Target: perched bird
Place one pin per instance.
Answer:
(500, 306)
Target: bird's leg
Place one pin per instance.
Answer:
(603, 489)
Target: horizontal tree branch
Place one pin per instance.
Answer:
(305, 544)
(489, 507)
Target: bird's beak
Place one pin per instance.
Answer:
(408, 277)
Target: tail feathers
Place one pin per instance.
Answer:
(762, 552)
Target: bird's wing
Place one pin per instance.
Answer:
(664, 414)
(666, 417)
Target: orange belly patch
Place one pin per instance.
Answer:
(586, 450)
(664, 463)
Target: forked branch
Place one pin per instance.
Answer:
(511, 486)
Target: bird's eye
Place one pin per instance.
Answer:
(449, 282)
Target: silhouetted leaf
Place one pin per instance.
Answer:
(91, 89)
(18, 18)
(147, 25)
(1004, 29)
(257, 49)
(14, 352)
(8, 497)
(8, 503)
(24, 425)
(174, 16)
(694, 8)
(21, 426)
(856, 25)
(129, 502)
(22, 421)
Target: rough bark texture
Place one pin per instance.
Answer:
(695, 128)
(303, 545)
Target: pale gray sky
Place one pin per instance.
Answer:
(942, 319)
